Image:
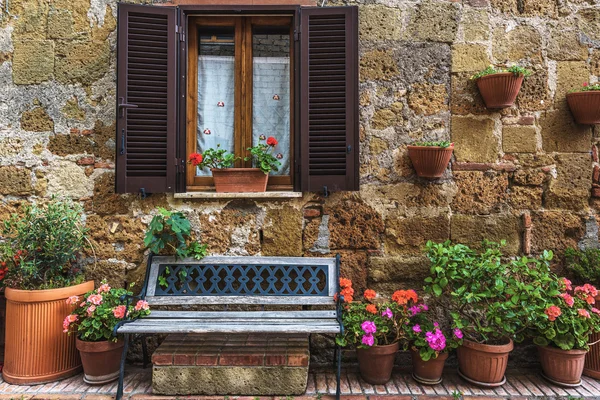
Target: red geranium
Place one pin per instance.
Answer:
(271, 141)
(195, 159)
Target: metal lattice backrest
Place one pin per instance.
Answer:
(259, 280)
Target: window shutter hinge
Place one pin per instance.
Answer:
(296, 35)
(179, 30)
(179, 165)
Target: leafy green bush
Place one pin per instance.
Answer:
(587, 87)
(39, 248)
(515, 69)
(442, 144)
(488, 299)
(584, 264)
(172, 232)
(213, 158)
(261, 154)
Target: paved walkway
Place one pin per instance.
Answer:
(521, 385)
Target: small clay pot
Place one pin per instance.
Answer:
(239, 180)
(430, 161)
(562, 367)
(592, 358)
(376, 363)
(585, 106)
(500, 90)
(101, 360)
(483, 364)
(428, 372)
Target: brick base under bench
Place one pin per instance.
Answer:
(231, 364)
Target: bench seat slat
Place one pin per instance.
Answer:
(312, 314)
(243, 321)
(135, 327)
(259, 300)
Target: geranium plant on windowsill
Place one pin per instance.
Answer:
(231, 180)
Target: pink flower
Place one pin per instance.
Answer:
(583, 313)
(387, 313)
(91, 310)
(458, 333)
(553, 312)
(142, 305)
(436, 324)
(416, 328)
(368, 340)
(585, 84)
(567, 284)
(72, 300)
(436, 340)
(103, 288)
(568, 299)
(595, 311)
(82, 304)
(119, 311)
(69, 319)
(95, 299)
(369, 327)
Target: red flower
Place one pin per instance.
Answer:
(553, 312)
(371, 308)
(344, 282)
(402, 297)
(370, 294)
(585, 84)
(271, 141)
(195, 159)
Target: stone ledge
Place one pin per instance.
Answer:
(257, 195)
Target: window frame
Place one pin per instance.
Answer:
(243, 101)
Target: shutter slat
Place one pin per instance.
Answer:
(146, 64)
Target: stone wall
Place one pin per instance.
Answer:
(527, 174)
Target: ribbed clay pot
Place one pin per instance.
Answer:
(585, 106)
(101, 360)
(37, 351)
(500, 90)
(562, 367)
(430, 161)
(483, 364)
(376, 363)
(592, 358)
(427, 372)
(239, 180)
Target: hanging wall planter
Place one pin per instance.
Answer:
(500, 87)
(430, 159)
(585, 104)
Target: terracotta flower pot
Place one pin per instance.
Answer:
(585, 106)
(101, 360)
(241, 180)
(376, 363)
(592, 358)
(562, 367)
(37, 351)
(430, 161)
(428, 372)
(500, 90)
(483, 364)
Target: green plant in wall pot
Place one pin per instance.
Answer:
(430, 159)
(499, 87)
(584, 103)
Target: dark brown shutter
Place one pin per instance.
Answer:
(329, 98)
(146, 99)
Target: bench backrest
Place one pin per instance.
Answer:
(242, 280)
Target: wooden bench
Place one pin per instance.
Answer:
(227, 281)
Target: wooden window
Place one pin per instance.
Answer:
(159, 111)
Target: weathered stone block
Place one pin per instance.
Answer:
(469, 57)
(60, 24)
(529, 177)
(526, 198)
(428, 99)
(561, 133)
(113, 271)
(104, 140)
(521, 43)
(434, 21)
(409, 235)
(386, 117)
(32, 20)
(70, 144)
(105, 200)
(395, 269)
(472, 229)
(474, 139)
(37, 120)
(475, 25)
(282, 232)
(81, 62)
(556, 230)
(465, 97)
(69, 180)
(519, 139)
(535, 93)
(527, 8)
(589, 22)
(378, 65)
(595, 63)
(33, 61)
(353, 225)
(564, 45)
(423, 62)
(233, 230)
(117, 237)
(569, 75)
(379, 23)
(479, 192)
(15, 181)
(570, 189)
(72, 110)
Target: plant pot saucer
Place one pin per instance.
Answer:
(563, 384)
(101, 380)
(424, 381)
(482, 384)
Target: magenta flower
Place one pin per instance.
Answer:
(424, 307)
(436, 324)
(414, 310)
(368, 340)
(369, 327)
(387, 313)
(417, 328)
(458, 333)
(436, 340)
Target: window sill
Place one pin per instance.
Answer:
(255, 195)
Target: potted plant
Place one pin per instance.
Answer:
(487, 300)
(430, 159)
(585, 104)
(231, 180)
(374, 327)
(499, 87)
(564, 320)
(38, 251)
(93, 321)
(429, 344)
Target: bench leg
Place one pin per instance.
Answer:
(122, 368)
(145, 351)
(338, 350)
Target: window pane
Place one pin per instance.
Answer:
(216, 89)
(271, 90)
